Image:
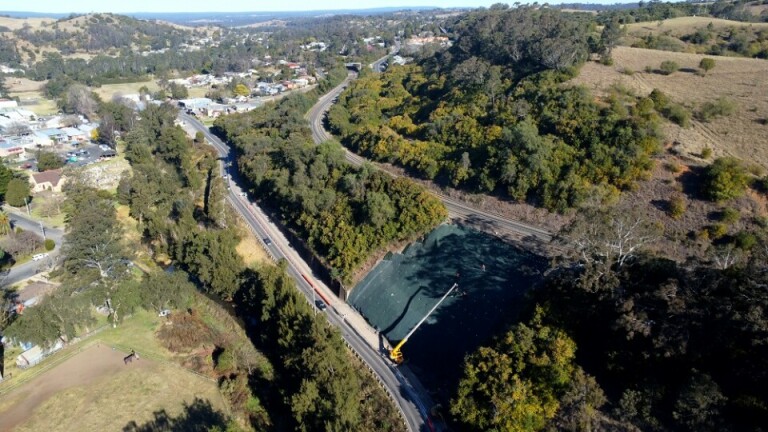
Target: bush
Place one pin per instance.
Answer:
(677, 114)
(668, 67)
(719, 108)
(677, 207)
(726, 178)
(628, 71)
(706, 153)
(729, 215)
(707, 64)
(745, 240)
(49, 244)
(717, 231)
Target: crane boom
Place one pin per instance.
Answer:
(395, 354)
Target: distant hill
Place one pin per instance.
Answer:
(233, 19)
(28, 39)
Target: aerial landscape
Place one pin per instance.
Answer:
(360, 216)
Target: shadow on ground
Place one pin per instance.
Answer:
(493, 278)
(200, 416)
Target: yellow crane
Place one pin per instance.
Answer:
(395, 354)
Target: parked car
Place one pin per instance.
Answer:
(164, 312)
(38, 257)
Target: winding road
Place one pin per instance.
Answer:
(487, 221)
(405, 394)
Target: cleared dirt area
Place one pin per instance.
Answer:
(95, 390)
(744, 81)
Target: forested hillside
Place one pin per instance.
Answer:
(491, 114)
(96, 34)
(343, 213)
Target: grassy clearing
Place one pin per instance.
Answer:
(36, 102)
(42, 208)
(108, 90)
(137, 332)
(198, 92)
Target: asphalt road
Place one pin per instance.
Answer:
(405, 395)
(24, 271)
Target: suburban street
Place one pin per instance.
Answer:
(363, 340)
(24, 271)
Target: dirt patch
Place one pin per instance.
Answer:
(85, 368)
(744, 81)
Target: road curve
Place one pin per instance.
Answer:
(456, 209)
(28, 269)
(399, 388)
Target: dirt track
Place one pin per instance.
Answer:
(84, 368)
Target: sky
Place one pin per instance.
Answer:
(84, 6)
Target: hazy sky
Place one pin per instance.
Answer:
(66, 6)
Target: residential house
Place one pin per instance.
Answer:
(54, 134)
(41, 139)
(75, 134)
(9, 148)
(47, 180)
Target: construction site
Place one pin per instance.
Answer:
(443, 297)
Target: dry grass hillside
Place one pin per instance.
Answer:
(744, 81)
(685, 25)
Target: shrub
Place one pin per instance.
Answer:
(628, 71)
(660, 100)
(185, 333)
(668, 67)
(719, 108)
(706, 153)
(729, 215)
(677, 207)
(49, 244)
(745, 240)
(707, 64)
(648, 69)
(726, 178)
(717, 231)
(677, 114)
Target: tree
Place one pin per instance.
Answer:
(516, 385)
(178, 91)
(242, 90)
(17, 129)
(610, 237)
(80, 100)
(6, 174)
(5, 223)
(706, 64)
(17, 193)
(48, 161)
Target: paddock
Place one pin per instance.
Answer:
(96, 390)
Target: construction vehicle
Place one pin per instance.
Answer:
(395, 354)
